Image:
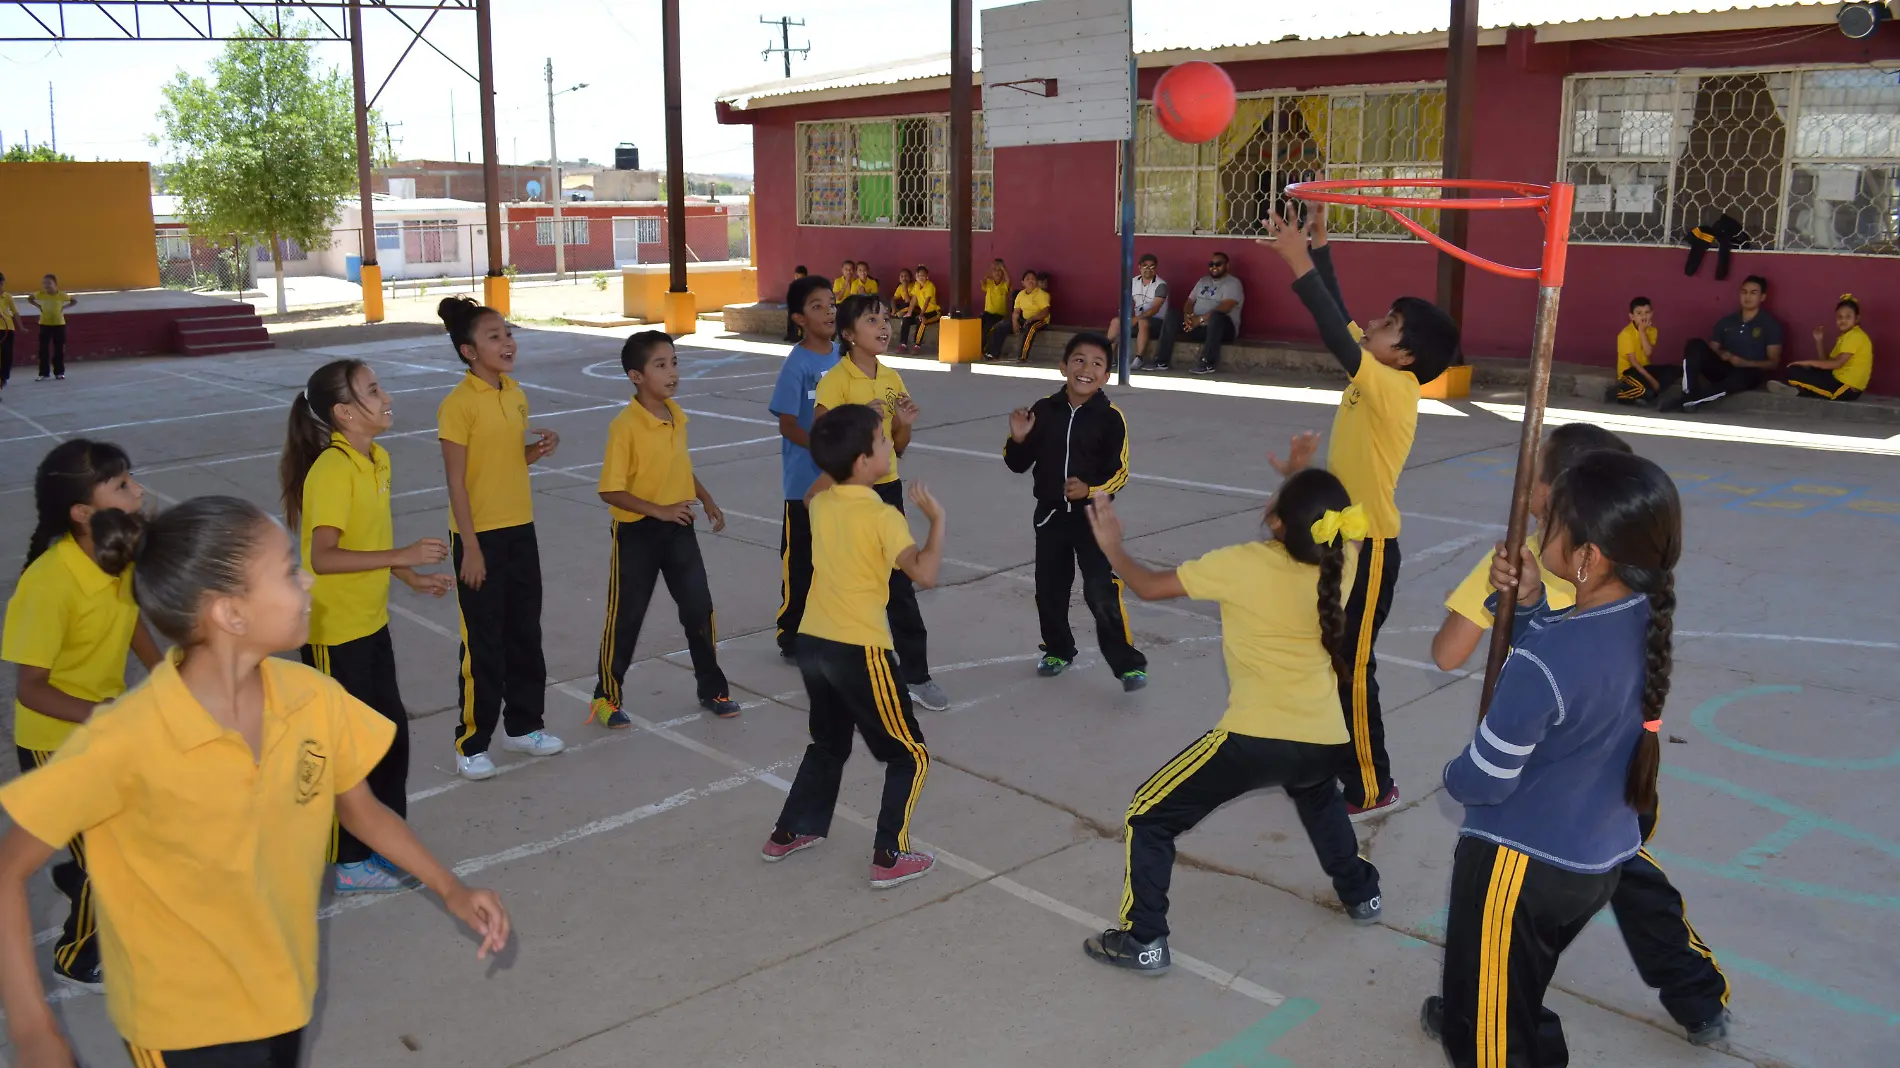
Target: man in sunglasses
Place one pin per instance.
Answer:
(1210, 315)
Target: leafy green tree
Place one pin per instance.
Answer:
(36, 154)
(264, 149)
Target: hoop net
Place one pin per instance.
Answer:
(1551, 203)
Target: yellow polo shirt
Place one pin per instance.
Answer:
(899, 294)
(9, 313)
(1859, 350)
(1468, 599)
(207, 859)
(53, 308)
(1280, 681)
(996, 298)
(76, 621)
(864, 286)
(846, 384)
(492, 424)
(1629, 350)
(841, 286)
(1031, 302)
(1372, 436)
(647, 457)
(348, 491)
(855, 541)
(923, 296)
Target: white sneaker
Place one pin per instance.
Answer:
(533, 743)
(1782, 389)
(475, 768)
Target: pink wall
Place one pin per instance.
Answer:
(1056, 211)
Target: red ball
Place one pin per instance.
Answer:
(1194, 102)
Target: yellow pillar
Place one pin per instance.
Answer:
(372, 293)
(960, 340)
(1454, 384)
(495, 293)
(682, 316)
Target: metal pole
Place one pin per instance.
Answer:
(1544, 341)
(785, 41)
(491, 163)
(675, 149)
(555, 195)
(1126, 340)
(1461, 73)
(362, 134)
(962, 149)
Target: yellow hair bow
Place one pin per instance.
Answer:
(1351, 524)
(1847, 296)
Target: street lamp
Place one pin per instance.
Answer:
(556, 194)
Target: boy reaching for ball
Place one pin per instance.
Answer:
(1372, 437)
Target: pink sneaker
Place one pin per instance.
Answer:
(904, 867)
(774, 852)
(1391, 798)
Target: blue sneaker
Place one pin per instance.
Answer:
(1134, 680)
(372, 876)
(1051, 666)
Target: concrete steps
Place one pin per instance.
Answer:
(237, 331)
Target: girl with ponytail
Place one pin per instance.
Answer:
(1566, 760)
(206, 799)
(335, 483)
(1282, 603)
(69, 625)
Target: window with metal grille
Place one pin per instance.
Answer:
(388, 237)
(1803, 159)
(887, 172)
(430, 241)
(1229, 184)
(173, 245)
(574, 230)
(292, 252)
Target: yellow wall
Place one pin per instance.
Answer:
(88, 223)
(643, 289)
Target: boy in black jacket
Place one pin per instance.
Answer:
(1078, 443)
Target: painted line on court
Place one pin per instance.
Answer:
(1219, 976)
(1445, 548)
(1252, 1046)
(424, 622)
(458, 782)
(576, 469)
(1704, 719)
(1699, 431)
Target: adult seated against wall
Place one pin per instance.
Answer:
(1843, 372)
(1740, 354)
(1149, 302)
(1209, 315)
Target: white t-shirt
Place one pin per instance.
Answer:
(1146, 293)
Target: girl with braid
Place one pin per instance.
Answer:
(1564, 762)
(1283, 635)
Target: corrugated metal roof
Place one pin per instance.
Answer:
(1239, 26)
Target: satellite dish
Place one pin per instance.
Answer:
(534, 189)
(1858, 21)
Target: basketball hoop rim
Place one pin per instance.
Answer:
(1342, 191)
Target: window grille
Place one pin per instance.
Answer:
(430, 241)
(574, 231)
(1229, 184)
(887, 172)
(388, 237)
(174, 246)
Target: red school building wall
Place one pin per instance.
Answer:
(706, 237)
(1056, 210)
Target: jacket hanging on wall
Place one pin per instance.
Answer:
(1724, 234)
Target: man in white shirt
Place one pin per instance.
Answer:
(1150, 303)
(1209, 315)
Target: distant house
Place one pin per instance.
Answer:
(421, 237)
(605, 235)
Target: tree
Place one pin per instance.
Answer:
(36, 154)
(265, 150)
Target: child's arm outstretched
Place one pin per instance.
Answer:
(385, 832)
(1148, 584)
(30, 1021)
(1316, 287)
(923, 563)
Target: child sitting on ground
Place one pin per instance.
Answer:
(1637, 380)
(1841, 374)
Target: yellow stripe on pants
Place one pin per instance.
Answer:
(1494, 957)
(1152, 793)
(890, 711)
(1361, 656)
(608, 684)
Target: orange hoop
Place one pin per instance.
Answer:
(1551, 202)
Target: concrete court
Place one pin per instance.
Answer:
(650, 934)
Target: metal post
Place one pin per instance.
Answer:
(785, 41)
(675, 149)
(1544, 341)
(371, 279)
(554, 176)
(1127, 339)
(962, 148)
(1461, 71)
(491, 163)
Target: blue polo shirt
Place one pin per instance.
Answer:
(1748, 338)
(796, 394)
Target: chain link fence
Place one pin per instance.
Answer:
(1802, 159)
(890, 172)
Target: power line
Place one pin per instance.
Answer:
(785, 24)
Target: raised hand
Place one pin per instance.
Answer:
(927, 504)
(1300, 453)
(1021, 422)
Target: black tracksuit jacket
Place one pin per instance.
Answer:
(1089, 443)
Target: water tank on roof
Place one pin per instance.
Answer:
(626, 156)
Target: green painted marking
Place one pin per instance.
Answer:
(1252, 1047)
(1704, 719)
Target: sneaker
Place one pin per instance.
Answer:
(1781, 389)
(722, 706)
(44, 378)
(533, 743)
(1391, 798)
(902, 869)
(61, 378)
(776, 851)
(1203, 369)
(1365, 913)
(1710, 1033)
(1134, 680)
(1118, 948)
(790, 656)
(930, 695)
(608, 714)
(475, 768)
(369, 877)
(92, 980)
(1051, 666)
(1431, 1017)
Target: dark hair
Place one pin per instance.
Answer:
(1087, 337)
(1572, 442)
(639, 349)
(1029, 273)
(1302, 499)
(801, 290)
(67, 476)
(853, 308)
(853, 263)
(1148, 257)
(1428, 334)
(1640, 302)
(1628, 508)
(1847, 301)
(181, 556)
(841, 435)
(459, 315)
(923, 269)
(1229, 260)
(1758, 280)
(799, 271)
(308, 433)
(1043, 279)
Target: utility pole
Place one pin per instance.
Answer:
(785, 24)
(555, 195)
(52, 125)
(452, 150)
(389, 139)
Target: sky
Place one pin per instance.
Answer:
(107, 94)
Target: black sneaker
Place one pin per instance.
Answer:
(1119, 948)
(1203, 369)
(1708, 1034)
(1134, 680)
(92, 980)
(722, 706)
(1365, 913)
(1431, 1017)
(1051, 666)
